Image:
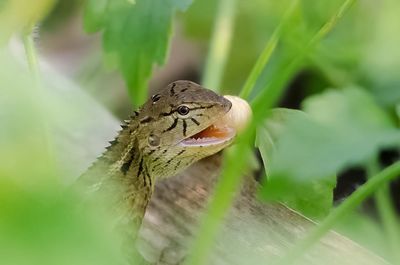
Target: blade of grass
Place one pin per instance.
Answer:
(387, 214)
(219, 45)
(355, 199)
(234, 164)
(265, 56)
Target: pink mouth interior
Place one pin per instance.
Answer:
(210, 136)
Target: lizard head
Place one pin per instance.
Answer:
(177, 127)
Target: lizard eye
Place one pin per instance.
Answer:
(154, 140)
(183, 110)
(155, 98)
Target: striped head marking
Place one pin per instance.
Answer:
(176, 127)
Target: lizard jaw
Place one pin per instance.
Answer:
(210, 136)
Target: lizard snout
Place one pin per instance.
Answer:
(226, 104)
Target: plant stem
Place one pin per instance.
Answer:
(387, 215)
(355, 199)
(219, 45)
(265, 56)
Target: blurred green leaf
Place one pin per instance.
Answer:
(268, 134)
(368, 56)
(381, 58)
(40, 221)
(342, 128)
(313, 197)
(135, 34)
(42, 227)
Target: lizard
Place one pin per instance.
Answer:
(172, 130)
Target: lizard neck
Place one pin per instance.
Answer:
(121, 175)
(119, 181)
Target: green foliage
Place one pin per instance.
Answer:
(42, 227)
(40, 221)
(311, 196)
(135, 36)
(254, 23)
(303, 151)
(381, 56)
(17, 16)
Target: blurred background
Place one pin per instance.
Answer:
(87, 88)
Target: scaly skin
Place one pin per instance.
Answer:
(149, 147)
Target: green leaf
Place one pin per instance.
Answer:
(312, 197)
(268, 134)
(342, 128)
(136, 34)
(380, 58)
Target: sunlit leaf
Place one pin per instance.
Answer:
(341, 128)
(135, 34)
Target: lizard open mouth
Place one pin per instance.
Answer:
(211, 135)
(224, 129)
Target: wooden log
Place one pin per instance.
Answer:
(253, 233)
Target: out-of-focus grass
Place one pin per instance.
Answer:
(40, 221)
